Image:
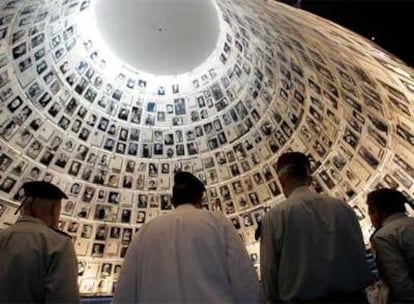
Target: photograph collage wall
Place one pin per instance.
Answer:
(112, 137)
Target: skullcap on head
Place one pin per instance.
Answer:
(183, 177)
(187, 188)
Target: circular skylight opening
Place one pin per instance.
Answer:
(162, 37)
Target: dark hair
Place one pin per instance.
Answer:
(388, 200)
(187, 189)
(295, 164)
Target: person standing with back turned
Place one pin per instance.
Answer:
(37, 261)
(187, 256)
(311, 246)
(393, 242)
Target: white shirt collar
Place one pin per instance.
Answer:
(185, 206)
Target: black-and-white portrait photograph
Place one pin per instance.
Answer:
(86, 231)
(7, 184)
(98, 250)
(126, 236)
(5, 162)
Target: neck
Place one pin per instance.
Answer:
(45, 219)
(391, 216)
(195, 205)
(288, 189)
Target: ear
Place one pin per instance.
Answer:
(383, 215)
(55, 210)
(55, 214)
(282, 180)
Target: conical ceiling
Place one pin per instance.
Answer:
(74, 112)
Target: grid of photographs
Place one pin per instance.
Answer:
(280, 80)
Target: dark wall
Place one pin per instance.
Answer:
(386, 20)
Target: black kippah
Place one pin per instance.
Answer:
(186, 178)
(187, 189)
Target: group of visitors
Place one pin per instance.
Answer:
(311, 249)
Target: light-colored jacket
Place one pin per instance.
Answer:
(393, 244)
(188, 256)
(37, 264)
(311, 248)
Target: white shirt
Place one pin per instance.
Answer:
(311, 248)
(188, 256)
(394, 247)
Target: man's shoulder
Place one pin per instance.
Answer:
(53, 236)
(188, 214)
(60, 233)
(195, 218)
(329, 200)
(404, 225)
(311, 196)
(299, 202)
(325, 197)
(25, 227)
(38, 234)
(405, 221)
(279, 208)
(385, 234)
(6, 231)
(47, 232)
(209, 215)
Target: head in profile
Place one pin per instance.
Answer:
(383, 203)
(187, 189)
(293, 170)
(42, 200)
